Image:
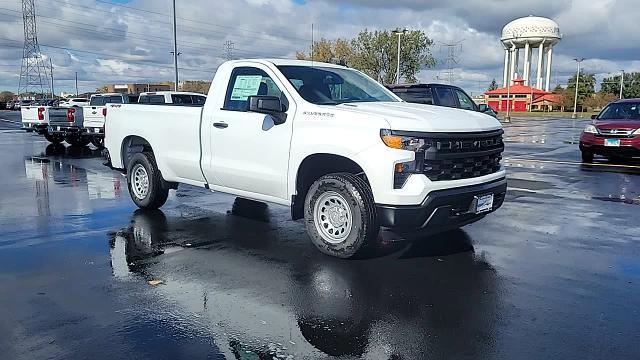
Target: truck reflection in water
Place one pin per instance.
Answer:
(261, 289)
(62, 167)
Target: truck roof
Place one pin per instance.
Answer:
(288, 62)
(171, 93)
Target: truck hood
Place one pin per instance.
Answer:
(617, 124)
(426, 118)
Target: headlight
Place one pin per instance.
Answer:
(637, 132)
(402, 142)
(591, 129)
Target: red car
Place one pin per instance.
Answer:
(614, 133)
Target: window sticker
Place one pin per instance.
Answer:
(245, 86)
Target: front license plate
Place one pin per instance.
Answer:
(611, 142)
(484, 203)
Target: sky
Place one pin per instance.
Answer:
(126, 41)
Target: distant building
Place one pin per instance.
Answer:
(521, 98)
(136, 88)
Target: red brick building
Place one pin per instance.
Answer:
(521, 98)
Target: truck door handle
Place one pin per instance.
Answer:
(221, 125)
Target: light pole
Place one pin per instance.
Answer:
(175, 47)
(621, 82)
(53, 91)
(575, 101)
(399, 33)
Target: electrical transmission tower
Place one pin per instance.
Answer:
(228, 46)
(34, 74)
(451, 60)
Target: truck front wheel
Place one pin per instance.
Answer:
(340, 215)
(146, 185)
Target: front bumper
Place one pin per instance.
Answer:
(442, 210)
(629, 146)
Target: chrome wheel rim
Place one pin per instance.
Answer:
(333, 217)
(139, 181)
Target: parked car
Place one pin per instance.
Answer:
(94, 114)
(74, 102)
(614, 133)
(9, 105)
(172, 97)
(357, 158)
(19, 104)
(440, 95)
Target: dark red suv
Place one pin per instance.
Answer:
(614, 133)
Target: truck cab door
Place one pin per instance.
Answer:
(250, 153)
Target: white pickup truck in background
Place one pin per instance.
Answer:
(95, 114)
(340, 149)
(172, 98)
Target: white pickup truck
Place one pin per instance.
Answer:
(340, 149)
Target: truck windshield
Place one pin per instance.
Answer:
(621, 111)
(332, 86)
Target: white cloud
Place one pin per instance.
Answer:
(121, 44)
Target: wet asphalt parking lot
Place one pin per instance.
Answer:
(553, 274)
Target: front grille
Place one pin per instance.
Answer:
(458, 156)
(623, 133)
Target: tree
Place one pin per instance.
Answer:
(493, 85)
(631, 85)
(6, 96)
(376, 52)
(199, 86)
(338, 51)
(599, 100)
(558, 89)
(586, 87)
(101, 90)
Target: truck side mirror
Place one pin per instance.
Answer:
(270, 105)
(482, 107)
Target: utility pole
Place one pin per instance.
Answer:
(621, 82)
(575, 101)
(76, 84)
(399, 33)
(34, 75)
(175, 47)
(53, 92)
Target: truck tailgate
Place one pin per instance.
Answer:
(93, 116)
(58, 116)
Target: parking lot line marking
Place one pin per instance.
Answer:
(575, 163)
(11, 121)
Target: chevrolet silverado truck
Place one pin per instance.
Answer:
(95, 113)
(340, 149)
(67, 123)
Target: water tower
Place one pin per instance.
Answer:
(529, 33)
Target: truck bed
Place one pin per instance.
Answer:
(174, 132)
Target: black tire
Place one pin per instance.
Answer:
(364, 227)
(587, 157)
(79, 141)
(98, 142)
(157, 190)
(54, 139)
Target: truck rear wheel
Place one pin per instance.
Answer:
(54, 139)
(97, 142)
(340, 215)
(146, 185)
